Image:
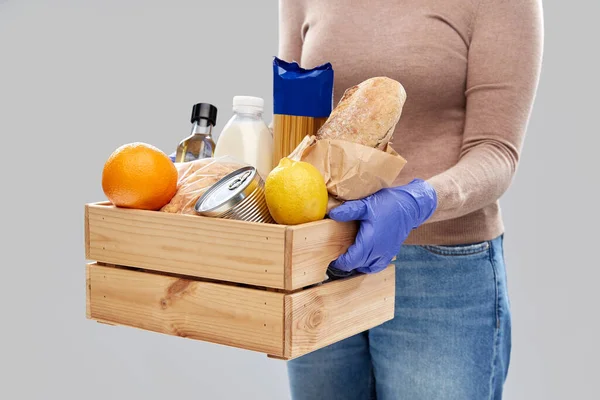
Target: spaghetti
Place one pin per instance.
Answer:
(288, 132)
(302, 101)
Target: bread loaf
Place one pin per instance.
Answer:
(367, 114)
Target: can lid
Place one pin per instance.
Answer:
(228, 192)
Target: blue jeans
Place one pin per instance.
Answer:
(450, 338)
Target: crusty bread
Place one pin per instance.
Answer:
(367, 114)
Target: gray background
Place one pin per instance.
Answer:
(79, 78)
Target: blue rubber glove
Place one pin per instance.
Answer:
(386, 218)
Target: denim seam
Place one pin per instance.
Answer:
(457, 252)
(496, 325)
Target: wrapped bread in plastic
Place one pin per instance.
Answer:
(195, 178)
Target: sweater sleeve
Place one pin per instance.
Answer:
(290, 30)
(504, 62)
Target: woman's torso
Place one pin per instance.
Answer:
(422, 44)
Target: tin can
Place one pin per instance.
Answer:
(240, 195)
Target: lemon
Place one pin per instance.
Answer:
(295, 192)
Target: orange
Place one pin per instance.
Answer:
(138, 175)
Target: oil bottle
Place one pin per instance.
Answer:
(200, 143)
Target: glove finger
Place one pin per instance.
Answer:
(354, 210)
(376, 265)
(349, 260)
(357, 254)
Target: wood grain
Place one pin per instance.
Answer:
(313, 247)
(86, 233)
(277, 357)
(225, 250)
(88, 292)
(229, 315)
(287, 258)
(334, 311)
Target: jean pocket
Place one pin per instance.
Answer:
(458, 250)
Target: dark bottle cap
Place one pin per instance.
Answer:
(204, 111)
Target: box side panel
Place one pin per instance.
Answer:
(219, 313)
(334, 311)
(211, 248)
(314, 247)
(88, 294)
(86, 232)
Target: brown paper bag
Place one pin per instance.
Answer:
(353, 171)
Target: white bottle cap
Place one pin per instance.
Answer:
(255, 103)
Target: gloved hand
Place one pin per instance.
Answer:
(386, 218)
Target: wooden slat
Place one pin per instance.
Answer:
(287, 258)
(234, 251)
(88, 288)
(105, 322)
(86, 233)
(277, 357)
(313, 247)
(234, 316)
(334, 311)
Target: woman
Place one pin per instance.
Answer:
(470, 69)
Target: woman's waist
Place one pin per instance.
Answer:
(481, 225)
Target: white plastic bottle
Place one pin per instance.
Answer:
(246, 136)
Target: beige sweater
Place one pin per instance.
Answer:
(470, 69)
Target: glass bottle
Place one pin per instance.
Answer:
(200, 143)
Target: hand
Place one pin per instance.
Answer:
(386, 218)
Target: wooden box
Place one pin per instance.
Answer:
(248, 285)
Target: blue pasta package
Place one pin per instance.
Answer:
(302, 101)
(302, 92)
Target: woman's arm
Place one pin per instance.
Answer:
(503, 71)
(291, 18)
